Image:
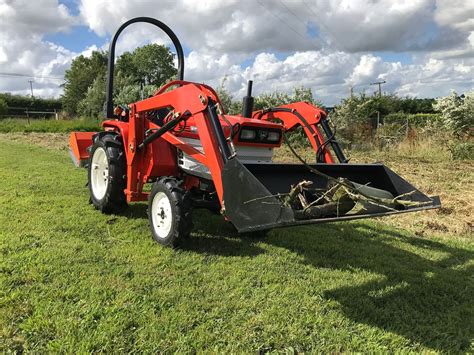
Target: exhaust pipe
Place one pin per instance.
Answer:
(247, 102)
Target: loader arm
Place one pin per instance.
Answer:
(310, 118)
(198, 102)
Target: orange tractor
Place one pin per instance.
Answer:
(195, 156)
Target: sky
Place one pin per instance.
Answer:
(421, 48)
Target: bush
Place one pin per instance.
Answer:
(414, 120)
(462, 151)
(3, 107)
(399, 118)
(457, 112)
(424, 119)
(298, 138)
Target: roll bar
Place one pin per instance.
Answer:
(111, 64)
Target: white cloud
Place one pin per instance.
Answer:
(33, 17)
(322, 44)
(330, 75)
(455, 13)
(23, 50)
(218, 26)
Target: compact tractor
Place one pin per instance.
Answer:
(195, 156)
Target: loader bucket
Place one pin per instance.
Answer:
(250, 191)
(78, 144)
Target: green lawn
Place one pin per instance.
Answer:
(74, 280)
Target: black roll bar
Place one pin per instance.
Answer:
(111, 64)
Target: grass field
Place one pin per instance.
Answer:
(74, 280)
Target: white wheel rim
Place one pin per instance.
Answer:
(99, 173)
(161, 215)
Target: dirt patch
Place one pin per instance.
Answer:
(55, 141)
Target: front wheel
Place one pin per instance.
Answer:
(169, 212)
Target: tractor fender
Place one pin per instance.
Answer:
(119, 127)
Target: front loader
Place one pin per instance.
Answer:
(195, 156)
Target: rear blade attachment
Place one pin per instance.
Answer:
(78, 144)
(254, 194)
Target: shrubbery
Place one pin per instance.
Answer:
(48, 126)
(18, 104)
(3, 107)
(457, 112)
(413, 120)
(462, 150)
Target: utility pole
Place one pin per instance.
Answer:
(379, 83)
(352, 91)
(31, 87)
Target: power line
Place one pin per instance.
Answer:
(4, 74)
(320, 22)
(291, 11)
(282, 20)
(352, 86)
(300, 19)
(379, 83)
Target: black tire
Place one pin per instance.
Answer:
(179, 215)
(114, 199)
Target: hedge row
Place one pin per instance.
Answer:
(33, 104)
(48, 126)
(417, 120)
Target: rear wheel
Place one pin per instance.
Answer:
(107, 173)
(169, 212)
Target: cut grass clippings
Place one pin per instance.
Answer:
(75, 280)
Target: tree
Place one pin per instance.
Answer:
(277, 98)
(93, 103)
(133, 93)
(81, 75)
(231, 106)
(151, 64)
(415, 105)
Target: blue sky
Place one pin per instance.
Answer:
(76, 39)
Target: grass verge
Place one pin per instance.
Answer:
(74, 280)
(11, 125)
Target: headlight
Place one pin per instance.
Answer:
(248, 134)
(273, 136)
(260, 135)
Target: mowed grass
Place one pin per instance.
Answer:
(74, 280)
